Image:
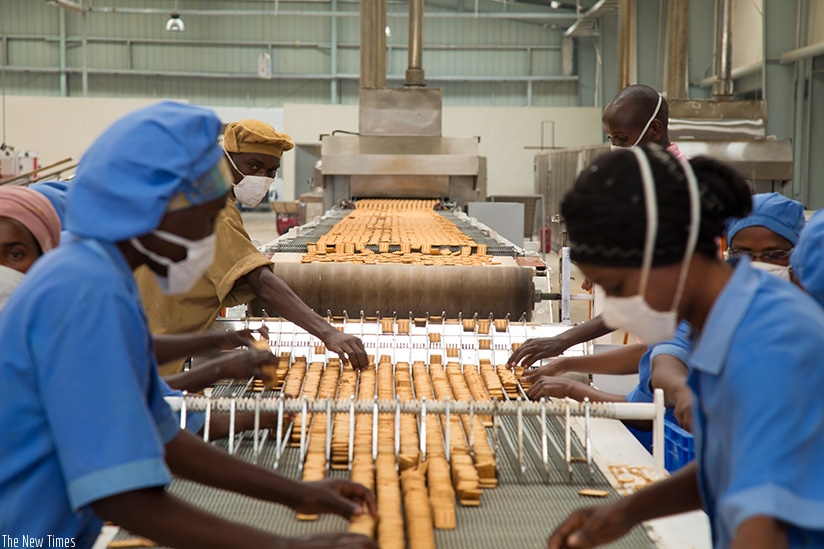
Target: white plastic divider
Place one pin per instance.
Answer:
(616, 410)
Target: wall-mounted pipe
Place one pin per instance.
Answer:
(282, 76)
(302, 13)
(626, 15)
(373, 44)
(723, 86)
(675, 49)
(414, 72)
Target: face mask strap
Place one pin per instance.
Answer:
(651, 202)
(173, 238)
(695, 227)
(232, 162)
(649, 122)
(157, 258)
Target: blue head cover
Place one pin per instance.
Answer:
(57, 193)
(807, 259)
(127, 178)
(774, 211)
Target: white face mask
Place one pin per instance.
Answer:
(781, 271)
(9, 279)
(252, 188)
(633, 313)
(646, 127)
(182, 275)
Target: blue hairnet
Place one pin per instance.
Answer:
(126, 179)
(807, 259)
(56, 192)
(774, 211)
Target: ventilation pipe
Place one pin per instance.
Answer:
(414, 74)
(373, 44)
(722, 89)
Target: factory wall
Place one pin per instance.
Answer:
(315, 56)
(64, 127)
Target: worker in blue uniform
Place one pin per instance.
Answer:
(807, 259)
(640, 227)
(767, 237)
(87, 435)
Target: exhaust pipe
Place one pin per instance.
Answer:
(414, 74)
(722, 89)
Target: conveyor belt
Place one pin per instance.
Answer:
(313, 233)
(532, 495)
(517, 514)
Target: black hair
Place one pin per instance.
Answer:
(642, 100)
(606, 216)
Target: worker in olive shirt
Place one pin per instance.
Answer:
(240, 272)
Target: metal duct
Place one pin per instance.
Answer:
(414, 74)
(677, 38)
(373, 44)
(722, 89)
(626, 15)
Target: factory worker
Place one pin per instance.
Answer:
(87, 435)
(173, 346)
(650, 242)
(767, 236)
(56, 192)
(637, 115)
(29, 227)
(240, 272)
(807, 259)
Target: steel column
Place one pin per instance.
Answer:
(675, 49)
(626, 14)
(64, 90)
(723, 87)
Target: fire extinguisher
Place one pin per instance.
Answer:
(546, 239)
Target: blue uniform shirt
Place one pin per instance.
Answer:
(83, 416)
(680, 346)
(756, 372)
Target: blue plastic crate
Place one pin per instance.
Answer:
(679, 446)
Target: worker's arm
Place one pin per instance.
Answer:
(280, 297)
(189, 457)
(244, 421)
(168, 347)
(235, 365)
(621, 361)
(561, 387)
(670, 375)
(760, 532)
(593, 526)
(546, 347)
(155, 514)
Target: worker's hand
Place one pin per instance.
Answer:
(586, 285)
(554, 387)
(334, 540)
(348, 347)
(535, 349)
(247, 363)
(590, 527)
(554, 368)
(336, 496)
(683, 407)
(226, 341)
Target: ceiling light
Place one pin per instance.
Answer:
(175, 23)
(388, 31)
